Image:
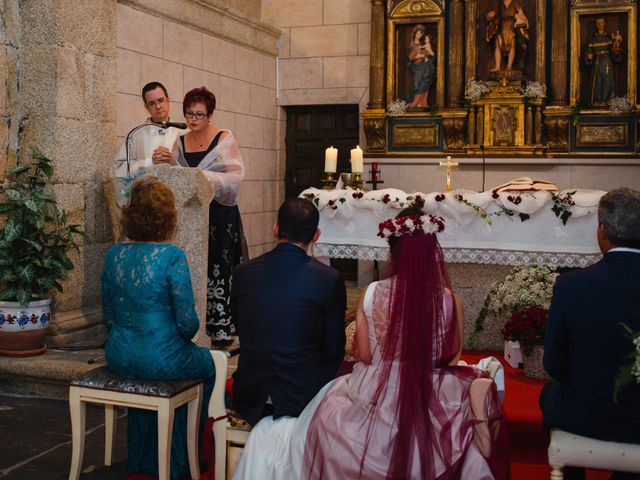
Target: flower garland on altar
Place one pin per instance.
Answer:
(510, 204)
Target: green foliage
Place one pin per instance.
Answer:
(36, 237)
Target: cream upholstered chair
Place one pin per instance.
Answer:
(102, 386)
(229, 440)
(569, 449)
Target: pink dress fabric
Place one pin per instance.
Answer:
(327, 440)
(337, 433)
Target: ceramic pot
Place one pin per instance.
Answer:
(22, 329)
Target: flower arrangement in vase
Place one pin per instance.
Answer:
(527, 327)
(524, 287)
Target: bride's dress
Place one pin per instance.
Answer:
(328, 439)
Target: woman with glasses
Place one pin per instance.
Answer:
(215, 151)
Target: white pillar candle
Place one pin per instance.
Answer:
(330, 159)
(356, 160)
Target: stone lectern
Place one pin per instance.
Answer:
(193, 195)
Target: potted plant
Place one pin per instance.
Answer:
(35, 239)
(527, 327)
(523, 288)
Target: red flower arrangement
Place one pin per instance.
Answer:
(527, 327)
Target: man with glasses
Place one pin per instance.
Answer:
(149, 145)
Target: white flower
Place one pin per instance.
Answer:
(534, 90)
(397, 107)
(619, 105)
(475, 89)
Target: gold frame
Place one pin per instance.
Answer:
(630, 10)
(409, 12)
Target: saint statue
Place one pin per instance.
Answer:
(421, 60)
(508, 29)
(603, 50)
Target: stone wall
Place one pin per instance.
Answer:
(59, 88)
(188, 51)
(324, 50)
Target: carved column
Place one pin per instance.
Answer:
(471, 12)
(376, 69)
(528, 126)
(472, 125)
(541, 15)
(456, 54)
(559, 42)
(538, 125)
(480, 126)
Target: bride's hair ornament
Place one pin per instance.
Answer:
(410, 225)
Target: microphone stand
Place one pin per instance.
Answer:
(163, 125)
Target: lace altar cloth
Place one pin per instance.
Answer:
(349, 225)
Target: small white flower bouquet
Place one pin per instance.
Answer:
(397, 107)
(618, 105)
(475, 89)
(534, 90)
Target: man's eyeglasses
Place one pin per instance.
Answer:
(156, 103)
(196, 115)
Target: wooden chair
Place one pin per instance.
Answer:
(569, 449)
(103, 386)
(229, 440)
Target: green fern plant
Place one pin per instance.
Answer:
(36, 237)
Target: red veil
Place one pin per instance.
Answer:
(420, 341)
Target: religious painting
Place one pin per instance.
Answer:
(417, 66)
(506, 42)
(504, 125)
(603, 55)
(415, 54)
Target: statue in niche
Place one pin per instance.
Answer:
(508, 30)
(603, 50)
(421, 61)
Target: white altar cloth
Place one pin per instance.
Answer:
(349, 225)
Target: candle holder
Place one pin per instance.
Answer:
(356, 180)
(375, 176)
(328, 181)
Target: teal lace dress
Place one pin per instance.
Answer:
(148, 306)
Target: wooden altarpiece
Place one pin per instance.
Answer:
(503, 121)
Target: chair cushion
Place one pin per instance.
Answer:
(104, 379)
(570, 449)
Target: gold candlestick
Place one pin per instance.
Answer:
(328, 182)
(356, 180)
(449, 164)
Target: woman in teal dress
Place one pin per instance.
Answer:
(148, 306)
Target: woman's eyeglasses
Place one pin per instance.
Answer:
(196, 115)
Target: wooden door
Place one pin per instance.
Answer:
(310, 130)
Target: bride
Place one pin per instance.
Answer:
(405, 410)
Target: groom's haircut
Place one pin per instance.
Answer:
(152, 86)
(619, 214)
(297, 221)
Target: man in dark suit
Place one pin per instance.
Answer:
(586, 345)
(289, 309)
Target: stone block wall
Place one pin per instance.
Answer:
(240, 70)
(324, 50)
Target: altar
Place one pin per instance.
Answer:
(506, 228)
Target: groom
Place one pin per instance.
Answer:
(289, 309)
(586, 345)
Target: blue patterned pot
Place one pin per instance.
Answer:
(22, 329)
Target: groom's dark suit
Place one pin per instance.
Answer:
(585, 346)
(289, 311)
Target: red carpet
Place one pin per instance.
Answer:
(528, 441)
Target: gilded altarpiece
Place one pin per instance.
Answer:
(424, 52)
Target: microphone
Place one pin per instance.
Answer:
(182, 126)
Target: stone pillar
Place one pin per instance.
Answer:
(455, 92)
(377, 58)
(559, 15)
(64, 102)
(193, 195)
